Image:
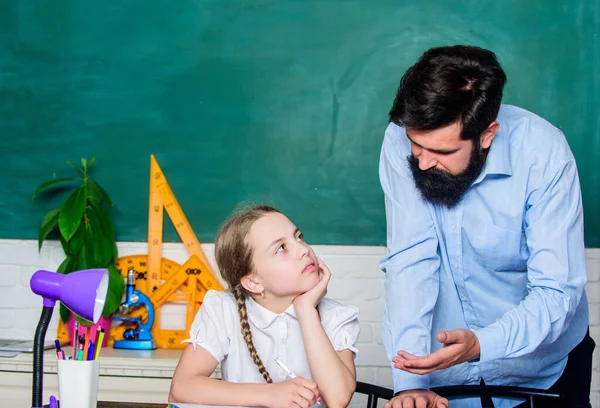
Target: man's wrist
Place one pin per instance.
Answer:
(415, 389)
(475, 350)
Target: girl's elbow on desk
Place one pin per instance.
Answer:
(340, 398)
(342, 401)
(175, 393)
(183, 391)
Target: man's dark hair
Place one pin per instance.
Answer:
(448, 84)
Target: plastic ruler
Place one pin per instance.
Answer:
(163, 280)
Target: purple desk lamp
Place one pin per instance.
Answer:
(82, 292)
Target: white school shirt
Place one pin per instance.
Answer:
(217, 329)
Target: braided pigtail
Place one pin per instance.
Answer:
(240, 299)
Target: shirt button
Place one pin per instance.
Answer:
(477, 379)
(456, 266)
(453, 227)
(282, 341)
(464, 298)
(475, 327)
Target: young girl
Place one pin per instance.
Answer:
(274, 312)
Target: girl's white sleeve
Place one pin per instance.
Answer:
(209, 327)
(342, 328)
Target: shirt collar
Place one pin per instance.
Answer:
(262, 317)
(498, 158)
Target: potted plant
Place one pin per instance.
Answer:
(86, 234)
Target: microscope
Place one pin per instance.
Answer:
(139, 338)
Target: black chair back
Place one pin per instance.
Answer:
(530, 395)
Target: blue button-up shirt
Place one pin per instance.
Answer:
(508, 262)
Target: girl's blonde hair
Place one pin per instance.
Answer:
(234, 259)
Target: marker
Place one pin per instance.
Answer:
(99, 343)
(53, 403)
(75, 340)
(291, 375)
(59, 353)
(90, 352)
(88, 339)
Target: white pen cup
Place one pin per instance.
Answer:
(78, 383)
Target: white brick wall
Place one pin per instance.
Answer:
(356, 280)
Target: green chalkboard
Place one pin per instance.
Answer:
(283, 102)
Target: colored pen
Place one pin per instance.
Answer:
(291, 375)
(90, 352)
(88, 339)
(76, 340)
(99, 343)
(81, 345)
(59, 353)
(53, 403)
(284, 368)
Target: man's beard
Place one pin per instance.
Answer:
(443, 188)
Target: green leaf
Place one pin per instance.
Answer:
(66, 266)
(105, 223)
(96, 192)
(92, 160)
(80, 260)
(115, 251)
(71, 214)
(77, 166)
(65, 246)
(102, 244)
(89, 257)
(65, 313)
(82, 321)
(51, 183)
(84, 162)
(76, 242)
(49, 222)
(116, 287)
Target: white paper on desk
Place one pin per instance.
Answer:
(9, 353)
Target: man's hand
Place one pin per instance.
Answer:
(460, 345)
(417, 399)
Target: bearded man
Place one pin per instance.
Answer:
(486, 269)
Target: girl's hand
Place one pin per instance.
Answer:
(294, 393)
(312, 297)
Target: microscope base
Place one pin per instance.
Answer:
(135, 344)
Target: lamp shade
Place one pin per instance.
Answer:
(83, 292)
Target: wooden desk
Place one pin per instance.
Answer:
(140, 376)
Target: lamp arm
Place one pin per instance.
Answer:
(38, 355)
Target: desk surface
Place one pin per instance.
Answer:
(102, 404)
(159, 363)
(126, 405)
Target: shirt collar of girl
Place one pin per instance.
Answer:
(262, 317)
